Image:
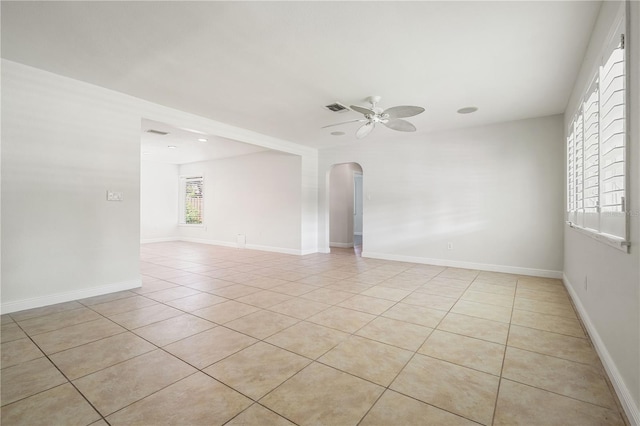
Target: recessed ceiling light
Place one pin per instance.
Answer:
(202, 140)
(467, 110)
(337, 133)
(171, 146)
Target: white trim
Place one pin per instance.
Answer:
(625, 397)
(274, 249)
(248, 246)
(67, 296)
(610, 240)
(545, 273)
(341, 245)
(158, 240)
(210, 242)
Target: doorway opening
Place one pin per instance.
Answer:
(346, 208)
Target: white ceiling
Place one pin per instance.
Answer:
(272, 66)
(187, 148)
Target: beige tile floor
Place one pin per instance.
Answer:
(225, 336)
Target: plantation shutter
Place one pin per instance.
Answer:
(578, 133)
(591, 167)
(571, 175)
(613, 138)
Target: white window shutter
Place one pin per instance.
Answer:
(571, 189)
(578, 134)
(591, 167)
(613, 139)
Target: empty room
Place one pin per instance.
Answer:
(320, 213)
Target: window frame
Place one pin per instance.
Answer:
(182, 200)
(592, 224)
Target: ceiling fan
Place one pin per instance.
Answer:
(390, 117)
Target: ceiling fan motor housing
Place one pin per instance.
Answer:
(390, 117)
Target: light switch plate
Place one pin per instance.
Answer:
(114, 196)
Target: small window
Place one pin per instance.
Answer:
(192, 200)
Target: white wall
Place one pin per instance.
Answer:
(494, 192)
(256, 195)
(309, 201)
(64, 144)
(610, 308)
(341, 204)
(158, 201)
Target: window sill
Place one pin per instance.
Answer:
(192, 225)
(610, 240)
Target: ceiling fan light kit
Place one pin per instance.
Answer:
(390, 117)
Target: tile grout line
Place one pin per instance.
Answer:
(388, 387)
(63, 375)
(351, 334)
(504, 356)
(298, 321)
(560, 394)
(316, 360)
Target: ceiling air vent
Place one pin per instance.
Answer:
(157, 132)
(337, 107)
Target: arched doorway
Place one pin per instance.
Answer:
(345, 196)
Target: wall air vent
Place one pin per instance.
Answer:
(157, 132)
(337, 107)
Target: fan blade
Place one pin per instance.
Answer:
(362, 110)
(401, 125)
(344, 122)
(402, 111)
(365, 130)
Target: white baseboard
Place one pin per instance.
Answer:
(274, 249)
(467, 265)
(628, 404)
(158, 240)
(341, 245)
(210, 242)
(247, 246)
(67, 296)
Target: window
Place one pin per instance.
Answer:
(192, 201)
(596, 151)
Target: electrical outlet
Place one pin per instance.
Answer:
(449, 246)
(114, 196)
